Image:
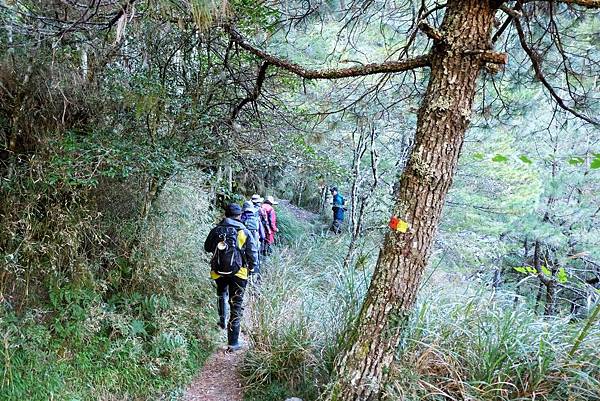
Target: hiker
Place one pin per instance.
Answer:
(257, 201)
(270, 222)
(235, 256)
(251, 219)
(338, 211)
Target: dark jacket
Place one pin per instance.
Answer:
(246, 242)
(338, 207)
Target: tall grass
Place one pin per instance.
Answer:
(297, 314)
(478, 347)
(460, 345)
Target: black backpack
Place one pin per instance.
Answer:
(227, 259)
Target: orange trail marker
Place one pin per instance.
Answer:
(397, 224)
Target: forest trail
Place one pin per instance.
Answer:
(219, 379)
(298, 212)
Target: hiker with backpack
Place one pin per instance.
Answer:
(270, 222)
(251, 219)
(338, 211)
(235, 257)
(257, 201)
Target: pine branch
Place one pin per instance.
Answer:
(583, 3)
(330, 73)
(539, 74)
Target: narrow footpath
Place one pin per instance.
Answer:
(210, 385)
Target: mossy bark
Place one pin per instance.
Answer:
(443, 118)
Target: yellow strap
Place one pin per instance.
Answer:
(242, 273)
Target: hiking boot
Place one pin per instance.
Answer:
(234, 348)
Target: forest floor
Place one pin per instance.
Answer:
(220, 379)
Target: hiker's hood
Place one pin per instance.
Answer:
(232, 222)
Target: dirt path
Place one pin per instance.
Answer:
(219, 379)
(301, 214)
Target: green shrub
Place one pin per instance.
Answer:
(142, 338)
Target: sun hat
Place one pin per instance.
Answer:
(257, 198)
(271, 200)
(233, 209)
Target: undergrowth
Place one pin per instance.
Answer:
(139, 335)
(473, 345)
(481, 347)
(298, 313)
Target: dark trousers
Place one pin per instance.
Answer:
(258, 244)
(232, 289)
(336, 226)
(266, 249)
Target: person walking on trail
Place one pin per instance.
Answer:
(251, 219)
(235, 257)
(257, 201)
(270, 222)
(338, 210)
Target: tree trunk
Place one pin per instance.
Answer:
(443, 118)
(323, 200)
(550, 307)
(538, 297)
(358, 140)
(537, 265)
(84, 63)
(152, 189)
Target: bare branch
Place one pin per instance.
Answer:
(122, 10)
(489, 56)
(252, 97)
(510, 11)
(539, 74)
(330, 73)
